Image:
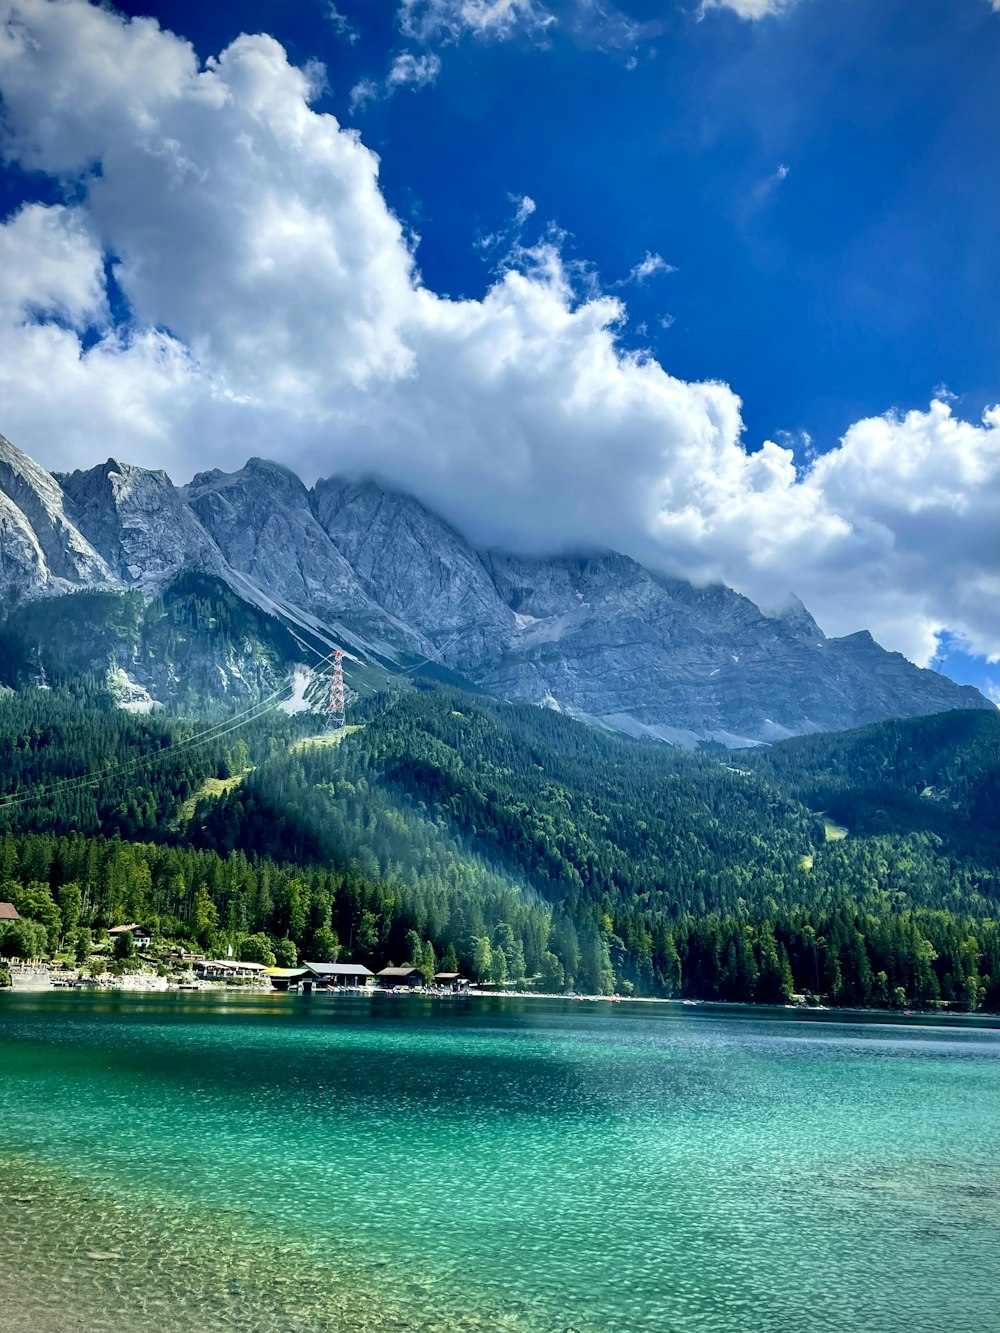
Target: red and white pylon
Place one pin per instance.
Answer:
(336, 704)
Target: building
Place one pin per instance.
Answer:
(451, 981)
(225, 969)
(8, 912)
(339, 975)
(287, 978)
(140, 934)
(391, 977)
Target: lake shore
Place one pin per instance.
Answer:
(139, 983)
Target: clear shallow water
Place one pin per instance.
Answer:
(274, 1162)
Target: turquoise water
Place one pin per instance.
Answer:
(276, 1162)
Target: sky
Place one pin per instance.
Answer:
(711, 282)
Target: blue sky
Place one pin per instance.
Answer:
(802, 206)
(825, 183)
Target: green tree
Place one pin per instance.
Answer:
(285, 952)
(255, 949)
(325, 945)
(70, 901)
(414, 948)
(552, 976)
(23, 939)
(124, 946)
(81, 947)
(204, 919)
(428, 962)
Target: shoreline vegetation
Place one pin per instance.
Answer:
(150, 983)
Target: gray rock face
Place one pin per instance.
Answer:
(68, 554)
(419, 569)
(597, 635)
(23, 571)
(603, 638)
(139, 523)
(262, 521)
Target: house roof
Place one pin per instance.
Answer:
(448, 976)
(288, 972)
(120, 930)
(339, 969)
(8, 912)
(398, 971)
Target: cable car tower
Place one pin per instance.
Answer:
(336, 703)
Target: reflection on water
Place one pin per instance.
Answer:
(258, 1162)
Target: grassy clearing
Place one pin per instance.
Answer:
(805, 862)
(211, 787)
(327, 737)
(834, 832)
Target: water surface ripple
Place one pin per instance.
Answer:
(275, 1162)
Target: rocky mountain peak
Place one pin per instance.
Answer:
(68, 555)
(593, 633)
(417, 567)
(138, 521)
(263, 521)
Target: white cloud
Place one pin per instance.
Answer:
(525, 207)
(254, 229)
(406, 71)
(648, 267)
(341, 24)
(751, 9)
(363, 92)
(52, 267)
(448, 20)
(416, 71)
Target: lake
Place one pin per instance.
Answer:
(258, 1162)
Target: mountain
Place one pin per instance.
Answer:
(595, 635)
(48, 509)
(420, 569)
(139, 522)
(264, 525)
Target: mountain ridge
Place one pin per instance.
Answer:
(598, 636)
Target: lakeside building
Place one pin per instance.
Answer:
(8, 912)
(390, 977)
(341, 974)
(221, 969)
(453, 981)
(281, 978)
(140, 934)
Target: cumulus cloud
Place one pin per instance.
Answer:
(254, 230)
(52, 267)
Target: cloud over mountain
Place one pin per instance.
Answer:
(273, 305)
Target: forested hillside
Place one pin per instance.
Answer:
(521, 844)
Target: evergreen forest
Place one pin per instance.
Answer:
(512, 843)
